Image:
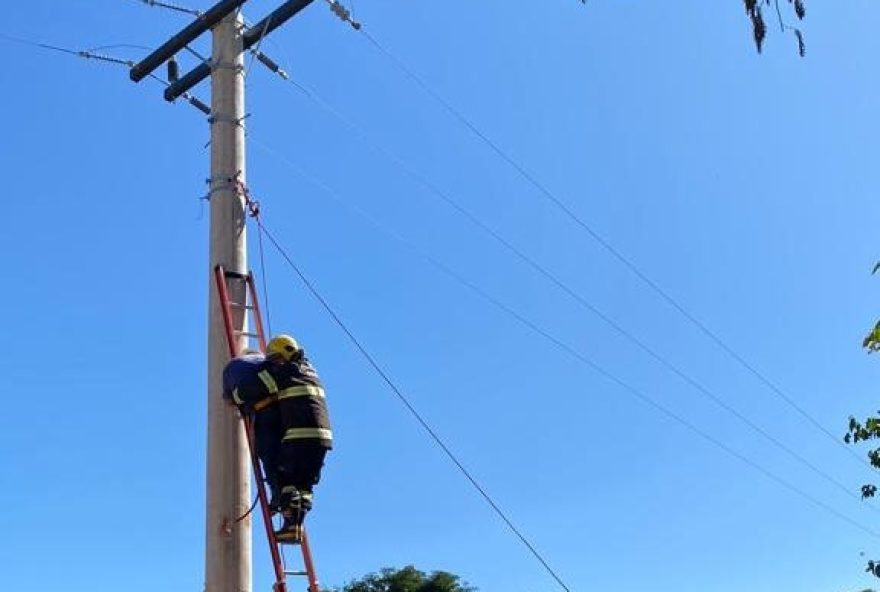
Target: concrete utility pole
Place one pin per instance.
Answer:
(228, 541)
(228, 544)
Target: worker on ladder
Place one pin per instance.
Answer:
(290, 378)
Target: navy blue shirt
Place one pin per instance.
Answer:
(240, 380)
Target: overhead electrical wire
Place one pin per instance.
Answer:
(170, 6)
(534, 328)
(119, 45)
(569, 291)
(263, 274)
(87, 54)
(310, 286)
(91, 55)
(509, 311)
(604, 243)
(375, 365)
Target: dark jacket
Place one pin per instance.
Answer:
(302, 401)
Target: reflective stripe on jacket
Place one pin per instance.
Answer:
(302, 401)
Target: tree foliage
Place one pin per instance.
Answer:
(755, 10)
(868, 430)
(407, 579)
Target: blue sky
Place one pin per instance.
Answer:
(744, 185)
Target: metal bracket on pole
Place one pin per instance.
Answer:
(219, 183)
(250, 38)
(204, 22)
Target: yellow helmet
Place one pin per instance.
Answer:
(283, 346)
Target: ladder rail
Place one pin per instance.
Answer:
(308, 563)
(277, 560)
(221, 276)
(231, 342)
(258, 316)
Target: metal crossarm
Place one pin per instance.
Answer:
(250, 38)
(202, 23)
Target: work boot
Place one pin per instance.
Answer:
(287, 499)
(290, 533)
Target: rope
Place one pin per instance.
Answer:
(263, 277)
(250, 510)
(253, 208)
(397, 391)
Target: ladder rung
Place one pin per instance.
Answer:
(246, 334)
(235, 274)
(296, 573)
(244, 306)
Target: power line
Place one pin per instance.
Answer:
(78, 53)
(569, 350)
(604, 243)
(170, 6)
(118, 45)
(263, 275)
(92, 55)
(89, 54)
(569, 291)
(421, 420)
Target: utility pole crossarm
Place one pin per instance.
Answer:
(250, 38)
(204, 22)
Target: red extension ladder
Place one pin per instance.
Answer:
(224, 280)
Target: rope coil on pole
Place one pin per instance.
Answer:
(253, 207)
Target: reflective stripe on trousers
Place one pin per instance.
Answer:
(300, 433)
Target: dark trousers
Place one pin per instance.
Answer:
(267, 435)
(299, 472)
(300, 464)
